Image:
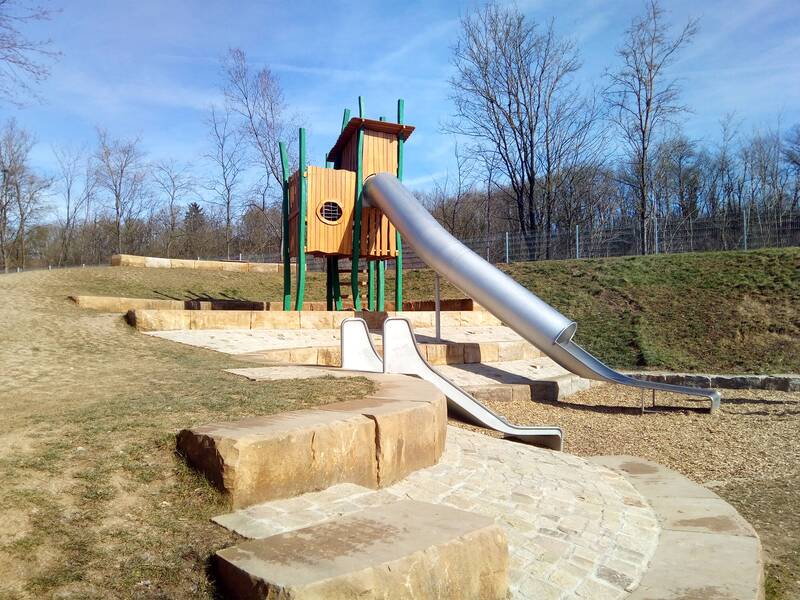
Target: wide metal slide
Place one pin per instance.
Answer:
(524, 312)
(402, 355)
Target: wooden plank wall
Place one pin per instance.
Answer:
(378, 239)
(325, 185)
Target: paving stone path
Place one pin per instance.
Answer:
(575, 529)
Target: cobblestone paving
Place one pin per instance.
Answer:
(575, 529)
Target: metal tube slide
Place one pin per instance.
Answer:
(527, 314)
(401, 355)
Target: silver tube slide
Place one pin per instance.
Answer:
(527, 314)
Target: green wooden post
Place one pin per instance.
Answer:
(345, 118)
(357, 212)
(398, 287)
(329, 266)
(371, 285)
(357, 225)
(287, 265)
(302, 192)
(337, 290)
(381, 285)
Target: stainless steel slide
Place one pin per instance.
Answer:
(401, 355)
(527, 314)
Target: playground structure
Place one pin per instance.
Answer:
(357, 208)
(324, 214)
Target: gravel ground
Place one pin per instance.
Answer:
(748, 452)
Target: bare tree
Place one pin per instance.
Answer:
(23, 61)
(75, 183)
(121, 173)
(227, 159)
(173, 183)
(449, 202)
(257, 99)
(15, 147)
(509, 92)
(643, 97)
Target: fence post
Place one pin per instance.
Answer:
(506, 247)
(655, 235)
(744, 225)
(577, 243)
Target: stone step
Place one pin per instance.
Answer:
(372, 442)
(539, 379)
(145, 319)
(454, 353)
(406, 549)
(706, 548)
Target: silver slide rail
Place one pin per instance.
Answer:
(527, 314)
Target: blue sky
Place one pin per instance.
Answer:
(151, 68)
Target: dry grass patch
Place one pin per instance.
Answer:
(93, 501)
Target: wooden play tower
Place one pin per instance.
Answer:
(323, 213)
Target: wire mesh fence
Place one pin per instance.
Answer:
(663, 235)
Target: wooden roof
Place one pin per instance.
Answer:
(352, 127)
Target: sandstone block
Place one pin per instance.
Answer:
(208, 265)
(152, 262)
(283, 455)
(280, 355)
(329, 357)
(275, 319)
(220, 319)
(511, 350)
(161, 320)
(435, 354)
(339, 316)
(481, 352)
(455, 354)
(451, 319)
(491, 393)
(263, 267)
(409, 434)
(402, 550)
(316, 320)
(303, 356)
(181, 263)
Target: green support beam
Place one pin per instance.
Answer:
(337, 289)
(371, 285)
(287, 265)
(398, 287)
(357, 212)
(302, 192)
(345, 118)
(329, 301)
(381, 285)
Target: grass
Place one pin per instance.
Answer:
(93, 501)
(718, 311)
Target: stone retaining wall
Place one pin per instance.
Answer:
(170, 320)
(151, 262)
(118, 304)
(783, 383)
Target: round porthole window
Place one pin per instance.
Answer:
(330, 212)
